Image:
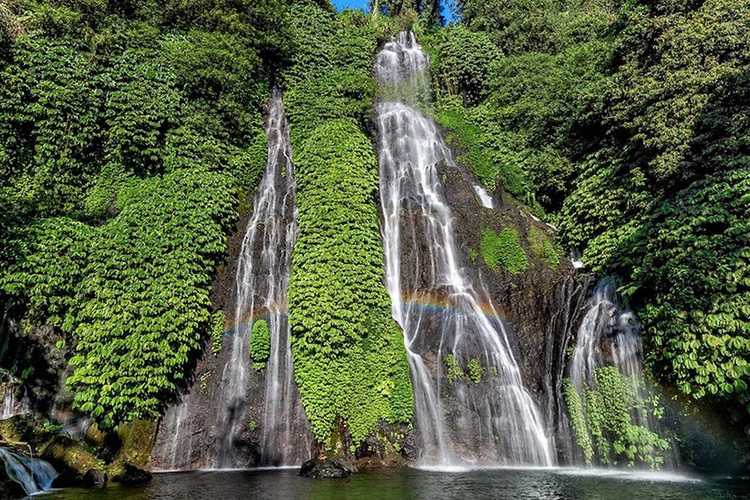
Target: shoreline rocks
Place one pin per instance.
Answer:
(333, 468)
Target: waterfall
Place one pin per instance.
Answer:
(567, 301)
(458, 422)
(262, 280)
(610, 335)
(33, 474)
(9, 402)
(247, 412)
(609, 331)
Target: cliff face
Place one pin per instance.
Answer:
(539, 302)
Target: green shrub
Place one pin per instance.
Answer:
(476, 370)
(503, 249)
(260, 344)
(454, 372)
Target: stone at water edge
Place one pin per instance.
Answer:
(328, 467)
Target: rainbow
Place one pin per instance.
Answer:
(444, 305)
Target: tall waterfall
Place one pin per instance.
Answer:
(248, 414)
(495, 422)
(262, 280)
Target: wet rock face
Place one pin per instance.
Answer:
(332, 468)
(539, 308)
(193, 434)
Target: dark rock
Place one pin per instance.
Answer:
(327, 467)
(77, 466)
(93, 478)
(130, 474)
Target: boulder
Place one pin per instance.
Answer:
(328, 468)
(126, 473)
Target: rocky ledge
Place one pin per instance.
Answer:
(327, 467)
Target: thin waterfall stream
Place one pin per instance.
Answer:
(610, 336)
(253, 415)
(496, 422)
(262, 281)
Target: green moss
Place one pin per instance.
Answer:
(454, 372)
(260, 344)
(504, 250)
(543, 248)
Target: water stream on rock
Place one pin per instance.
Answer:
(497, 421)
(262, 281)
(274, 432)
(32, 474)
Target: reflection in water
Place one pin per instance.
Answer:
(505, 483)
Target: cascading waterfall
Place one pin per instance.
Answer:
(496, 422)
(608, 331)
(610, 335)
(33, 474)
(262, 281)
(235, 425)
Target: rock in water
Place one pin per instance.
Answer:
(327, 467)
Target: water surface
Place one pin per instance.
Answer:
(421, 484)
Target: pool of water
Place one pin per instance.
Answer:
(505, 483)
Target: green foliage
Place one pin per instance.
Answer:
(476, 370)
(349, 356)
(260, 344)
(491, 156)
(504, 250)
(604, 415)
(143, 302)
(692, 261)
(454, 372)
(217, 331)
(333, 75)
(578, 420)
(124, 127)
(543, 247)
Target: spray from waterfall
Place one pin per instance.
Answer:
(495, 422)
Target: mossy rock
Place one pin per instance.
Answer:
(76, 465)
(137, 440)
(15, 429)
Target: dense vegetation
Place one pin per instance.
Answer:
(349, 356)
(126, 129)
(624, 123)
(605, 420)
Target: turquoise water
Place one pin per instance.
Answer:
(421, 484)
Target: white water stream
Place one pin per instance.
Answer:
(500, 424)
